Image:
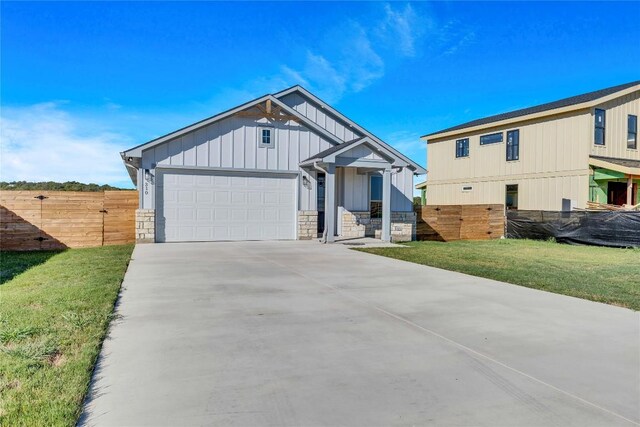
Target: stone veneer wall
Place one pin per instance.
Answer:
(145, 225)
(307, 225)
(360, 224)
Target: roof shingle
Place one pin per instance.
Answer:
(566, 102)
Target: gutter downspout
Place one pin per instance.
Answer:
(323, 239)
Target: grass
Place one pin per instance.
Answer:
(55, 308)
(605, 275)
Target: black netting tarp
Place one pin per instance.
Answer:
(607, 228)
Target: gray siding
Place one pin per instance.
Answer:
(233, 143)
(361, 152)
(354, 188)
(325, 120)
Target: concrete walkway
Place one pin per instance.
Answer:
(304, 334)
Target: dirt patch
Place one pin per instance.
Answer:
(57, 359)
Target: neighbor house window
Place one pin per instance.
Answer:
(632, 131)
(599, 127)
(462, 147)
(511, 199)
(492, 138)
(266, 137)
(375, 196)
(513, 145)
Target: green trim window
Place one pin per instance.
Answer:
(492, 138)
(632, 132)
(599, 126)
(462, 148)
(513, 145)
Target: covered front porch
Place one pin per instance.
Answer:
(614, 181)
(359, 192)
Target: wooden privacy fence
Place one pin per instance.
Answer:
(38, 220)
(459, 222)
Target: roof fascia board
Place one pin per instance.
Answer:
(375, 146)
(614, 167)
(308, 122)
(430, 138)
(418, 169)
(137, 151)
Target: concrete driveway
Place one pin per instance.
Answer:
(304, 334)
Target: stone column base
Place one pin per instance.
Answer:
(307, 225)
(145, 225)
(403, 226)
(360, 224)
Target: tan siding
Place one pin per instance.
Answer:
(536, 192)
(553, 164)
(617, 111)
(551, 145)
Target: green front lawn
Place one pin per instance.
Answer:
(55, 308)
(599, 274)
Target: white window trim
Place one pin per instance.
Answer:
(273, 136)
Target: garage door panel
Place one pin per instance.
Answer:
(255, 197)
(199, 206)
(238, 198)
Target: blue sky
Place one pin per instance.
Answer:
(82, 81)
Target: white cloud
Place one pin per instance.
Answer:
(43, 142)
(402, 27)
(353, 55)
(454, 36)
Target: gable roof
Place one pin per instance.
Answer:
(419, 170)
(547, 107)
(381, 150)
(136, 151)
(333, 149)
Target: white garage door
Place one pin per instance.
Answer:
(209, 206)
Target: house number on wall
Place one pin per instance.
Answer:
(146, 188)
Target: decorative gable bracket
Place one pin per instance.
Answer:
(267, 110)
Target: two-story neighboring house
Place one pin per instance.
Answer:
(553, 156)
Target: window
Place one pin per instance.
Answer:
(462, 148)
(511, 199)
(632, 131)
(599, 127)
(513, 145)
(375, 196)
(266, 137)
(492, 138)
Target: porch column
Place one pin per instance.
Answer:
(386, 205)
(330, 202)
(630, 190)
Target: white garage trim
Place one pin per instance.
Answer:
(230, 170)
(252, 205)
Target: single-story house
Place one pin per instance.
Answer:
(283, 166)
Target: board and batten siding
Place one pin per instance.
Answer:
(553, 164)
(354, 194)
(233, 143)
(538, 192)
(321, 117)
(615, 132)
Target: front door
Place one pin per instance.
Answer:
(617, 193)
